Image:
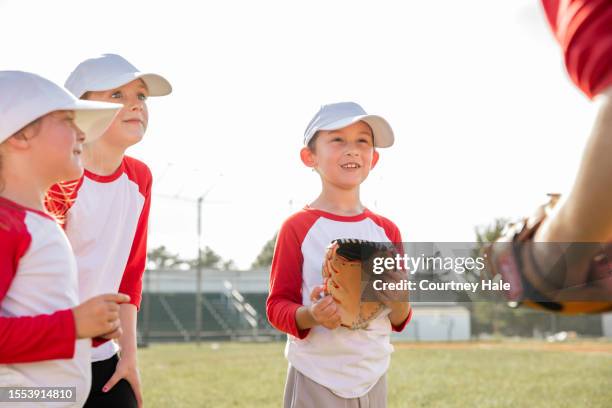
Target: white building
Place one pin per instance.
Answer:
(437, 322)
(606, 324)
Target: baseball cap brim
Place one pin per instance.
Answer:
(383, 134)
(93, 118)
(156, 84)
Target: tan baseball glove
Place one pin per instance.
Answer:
(342, 278)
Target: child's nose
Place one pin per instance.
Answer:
(80, 135)
(136, 104)
(352, 149)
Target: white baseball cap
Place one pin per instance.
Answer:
(339, 115)
(109, 71)
(25, 97)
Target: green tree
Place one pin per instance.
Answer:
(161, 258)
(488, 316)
(209, 258)
(264, 259)
(490, 233)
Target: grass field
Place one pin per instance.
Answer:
(496, 374)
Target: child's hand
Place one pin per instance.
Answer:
(127, 368)
(396, 300)
(399, 313)
(324, 310)
(391, 298)
(99, 315)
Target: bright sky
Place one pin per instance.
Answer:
(486, 120)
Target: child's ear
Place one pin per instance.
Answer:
(307, 157)
(20, 140)
(375, 157)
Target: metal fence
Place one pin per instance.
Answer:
(232, 307)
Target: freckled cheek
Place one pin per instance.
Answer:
(335, 154)
(328, 165)
(366, 157)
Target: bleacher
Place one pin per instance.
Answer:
(172, 317)
(258, 301)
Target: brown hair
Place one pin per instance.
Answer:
(313, 140)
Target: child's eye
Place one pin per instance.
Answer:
(142, 97)
(337, 139)
(116, 95)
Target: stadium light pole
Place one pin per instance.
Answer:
(199, 205)
(198, 312)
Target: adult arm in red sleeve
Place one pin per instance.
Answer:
(285, 296)
(30, 338)
(582, 28)
(131, 282)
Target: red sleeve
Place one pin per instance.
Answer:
(402, 325)
(392, 232)
(582, 28)
(394, 235)
(37, 338)
(28, 338)
(285, 296)
(131, 283)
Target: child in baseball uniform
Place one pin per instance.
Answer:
(106, 215)
(331, 365)
(45, 335)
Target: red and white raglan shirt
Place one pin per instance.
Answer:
(38, 289)
(106, 219)
(348, 362)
